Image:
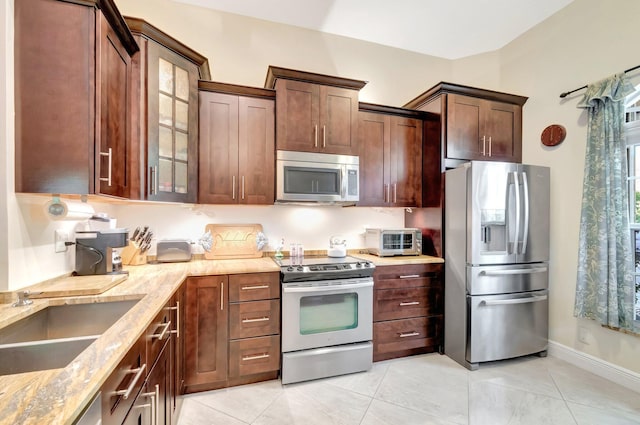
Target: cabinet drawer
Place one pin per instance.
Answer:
(157, 334)
(408, 276)
(121, 388)
(254, 286)
(254, 355)
(405, 334)
(254, 318)
(393, 304)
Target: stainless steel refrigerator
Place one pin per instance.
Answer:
(496, 246)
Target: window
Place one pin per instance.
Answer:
(632, 128)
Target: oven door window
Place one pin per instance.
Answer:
(397, 241)
(328, 313)
(324, 181)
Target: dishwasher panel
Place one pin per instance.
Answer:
(505, 326)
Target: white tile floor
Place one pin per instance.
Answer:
(427, 389)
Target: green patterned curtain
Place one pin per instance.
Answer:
(605, 284)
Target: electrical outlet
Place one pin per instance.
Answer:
(583, 335)
(59, 238)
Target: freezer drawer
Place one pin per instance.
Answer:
(505, 326)
(493, 280)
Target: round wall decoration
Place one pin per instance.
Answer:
(553, 135)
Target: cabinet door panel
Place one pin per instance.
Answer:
(218, 148)
(406, 161)
(374, 134)
(338, 120)
(206, 330)
(464, 132)
(297, 110)
(503, 123)
(171, 124)
(256, 151)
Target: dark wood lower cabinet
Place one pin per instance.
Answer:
(232, 333)
(408, 310)
(206, 332)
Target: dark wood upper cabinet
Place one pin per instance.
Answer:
(315, 112)
(476, 124)
(73, 96)
(390, 156)
(237, 153)
(166, 74)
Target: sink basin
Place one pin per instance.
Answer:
(41, 355)
(66, 321)
(54, 336)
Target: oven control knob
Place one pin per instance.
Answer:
(367, 264)
(289, 269)
(299, 268)
(358, 264)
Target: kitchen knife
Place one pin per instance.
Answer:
(135, 234)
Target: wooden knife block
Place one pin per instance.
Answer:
(132, 256)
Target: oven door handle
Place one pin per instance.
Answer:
(289, 289)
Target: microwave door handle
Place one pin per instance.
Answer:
(525, 198)
(343, 185)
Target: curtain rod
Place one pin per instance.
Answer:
(565, 94)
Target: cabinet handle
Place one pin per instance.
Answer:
(315, 135)
(177, 309)
(153, 174)
(248, 288)
(387, 193)
(489, 145)
(242, 186)
(221, 296)
(409, 276)
(161, 335)
(127, 392)
(324, 136)
(484, 145)
(233, 187)
(152, 396)
(259, 319)
(156, 414)
(256, 357)
(405, 303)
(109, 155)
(395, 193)
(408, 334)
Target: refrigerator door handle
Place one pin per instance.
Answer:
(531, 299)
(525, 197)
(516, 237)
(514, 272)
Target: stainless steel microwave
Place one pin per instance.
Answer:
(388, 242)
(317, 178)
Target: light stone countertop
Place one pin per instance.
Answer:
(59, 396)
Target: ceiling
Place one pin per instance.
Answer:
(448, 29)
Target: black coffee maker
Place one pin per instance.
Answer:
(95, 251)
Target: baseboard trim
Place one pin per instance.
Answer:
(617, 374)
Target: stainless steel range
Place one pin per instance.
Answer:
(327, 317)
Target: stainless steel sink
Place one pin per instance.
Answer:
(54, 336)
(66, 321)
(41, 355)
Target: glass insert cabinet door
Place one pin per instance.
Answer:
(172, 126)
